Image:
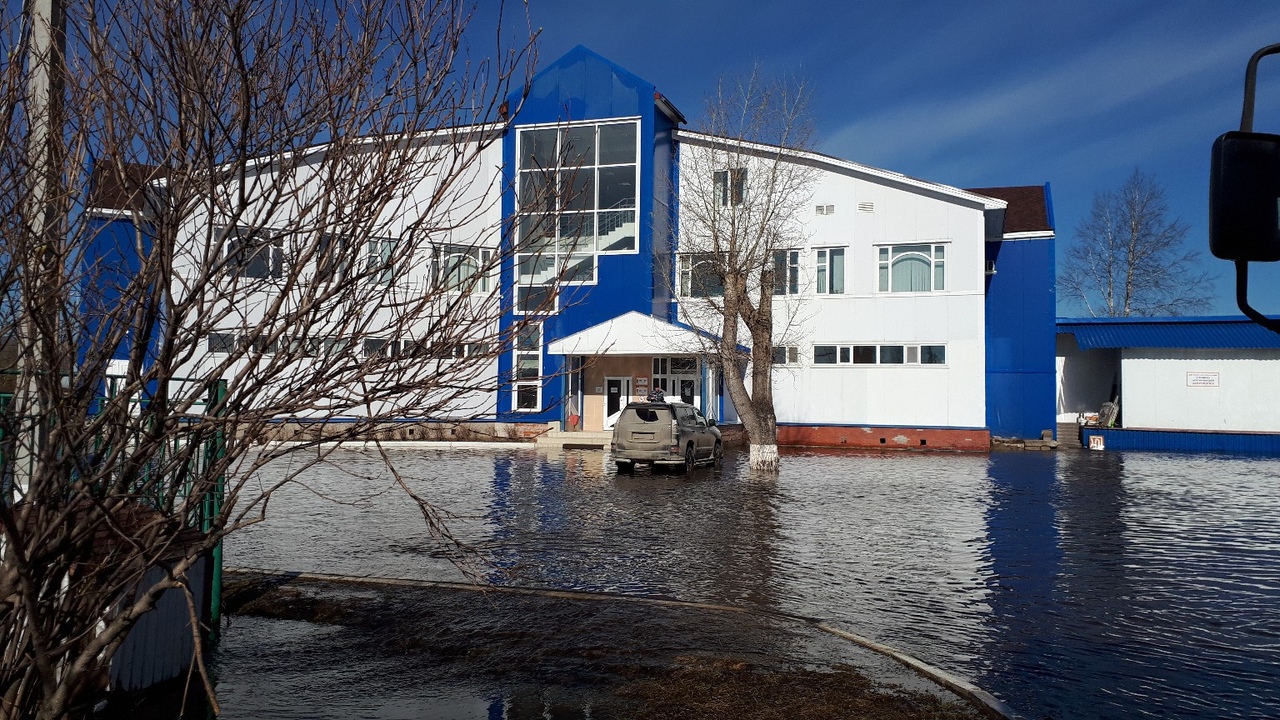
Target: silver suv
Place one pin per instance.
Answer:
(665, 433)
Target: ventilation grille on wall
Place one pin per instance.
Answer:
(825, 209)
(866, 207)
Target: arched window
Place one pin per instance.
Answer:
(913, 268)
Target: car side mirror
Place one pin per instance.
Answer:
(1244, 195)
(1244, 192)
(711, 422)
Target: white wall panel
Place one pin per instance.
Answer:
(1158, 392)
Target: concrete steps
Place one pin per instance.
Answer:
(1069, 436)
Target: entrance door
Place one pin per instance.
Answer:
(617, 391)
(689, 392)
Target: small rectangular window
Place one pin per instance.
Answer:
(381, 347)
(913, 354)
(263, 345)
(535, 299)
(684, 366)
(891, 355)
(830, 271)
(786, 272)
(222, 342)
(933, 354)
(730, 186)
(381, 261)
(779, 356)
(864, 354)
(846, 355)
(824, 354)
(527, 397)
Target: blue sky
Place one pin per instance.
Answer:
(977, 94)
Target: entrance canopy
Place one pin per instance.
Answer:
(632, 334)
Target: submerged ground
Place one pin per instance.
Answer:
(1070, 584)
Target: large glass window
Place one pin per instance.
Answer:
(700, 276)
(254, 253)
(579, 191)
(462, 268)
(829, 271)
(912, 268)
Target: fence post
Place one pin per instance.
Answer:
(215, 450)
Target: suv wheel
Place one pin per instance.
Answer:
(717, 455)
(626, 466)
(688, 458)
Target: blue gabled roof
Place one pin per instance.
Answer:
(1168, 332)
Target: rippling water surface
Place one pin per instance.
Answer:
(1073, 585)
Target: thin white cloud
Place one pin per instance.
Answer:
(1102, 80)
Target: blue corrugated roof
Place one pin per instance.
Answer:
(1168, 332)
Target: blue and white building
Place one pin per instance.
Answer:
(1181, 383)
(917, 314)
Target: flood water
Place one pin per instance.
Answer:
(1069, 585)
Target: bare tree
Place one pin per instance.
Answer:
(1129, 257)
(742, 192)
(242, 219)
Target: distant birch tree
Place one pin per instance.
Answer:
(742, 195)
(1129, 258)
(288, 171)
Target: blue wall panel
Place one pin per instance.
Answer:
(585, 86)
(1020, 337)
(1185, 441)
(111, 265)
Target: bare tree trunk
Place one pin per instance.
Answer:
(248, 197)
(741, 199)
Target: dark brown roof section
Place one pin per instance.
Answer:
(1028, 209)
(110, 189)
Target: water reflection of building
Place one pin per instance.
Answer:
(557, 521)
(1058, 561)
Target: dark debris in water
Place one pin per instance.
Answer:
(620, 658)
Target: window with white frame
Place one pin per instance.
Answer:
(701, 275)
(912, 268)
(536, 299)
(462, 268)
(528, 369)
(221, 342)
(578, 194)
(254, 253)
(829, 270)
(786, 272)
(381, 347)
(335, 256)
(888, 354)
(730, 186)
(381, 260)
(783, 355)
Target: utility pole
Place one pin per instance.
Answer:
(41, 283)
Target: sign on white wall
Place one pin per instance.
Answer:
(1202, 379)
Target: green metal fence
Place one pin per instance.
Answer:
(176, 472)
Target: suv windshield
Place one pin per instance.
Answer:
(645, 415)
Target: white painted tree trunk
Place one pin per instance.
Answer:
(764, 457)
